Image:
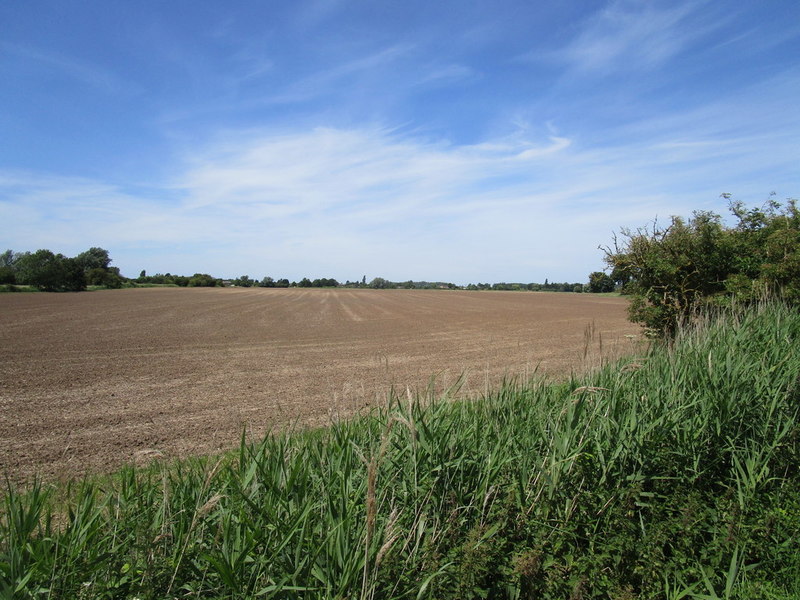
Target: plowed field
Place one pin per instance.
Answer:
(90, 381)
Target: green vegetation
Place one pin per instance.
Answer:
(51, 272)
(379, 283)
(672, 475)
(671, 271)
(48, 272)
(196, 280)
(600, 283)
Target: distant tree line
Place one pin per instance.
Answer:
(196, 280)
(269, 282)
(51, 272)
(379, 283)
(547, 286)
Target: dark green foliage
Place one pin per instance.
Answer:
(325, 282)
(673, 271)
(7, 275)
(50, 272)
(94, 258)
(97, 272)
(379, 283)
(109, 278)
(163, 279)
(244, 281)
(305, 282)
(671, 476)
(201, 280)
(600, 283)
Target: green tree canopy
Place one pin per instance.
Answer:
(600, 283)
(50, 272)
(671, 270)
(380, 283)
(244, 281)
(93, 258)
(201, 280)
(8, 273)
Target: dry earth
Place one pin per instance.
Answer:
(90, 381)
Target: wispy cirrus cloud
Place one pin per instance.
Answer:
(632, 35)
(320, 201)
(326, 167)
(87, 73)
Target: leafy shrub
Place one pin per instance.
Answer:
(672, 271)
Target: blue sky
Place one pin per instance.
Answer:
(457, 141)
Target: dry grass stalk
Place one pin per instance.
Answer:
(390, 537)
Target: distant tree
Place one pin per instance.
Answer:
(50, 272)
(143, 275)
(267, 282)
(282, 283)
(95, 265)
(96, 276)
(305, 282)
(93, 258)
(8, 258)
(202, 280)
(379, 283)
(109, 278)
(8, 273)
(600, 282)
(244, 281)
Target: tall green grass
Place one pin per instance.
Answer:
(670, 475)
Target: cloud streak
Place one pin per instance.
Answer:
(323, 201)
(631, 35)
(88, 74)
(335, 139)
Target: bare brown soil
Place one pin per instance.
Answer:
(90, 381)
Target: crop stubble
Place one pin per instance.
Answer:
(90, 381)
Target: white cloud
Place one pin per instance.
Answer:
(447, 74)
(631, 34)
(344, 202)
(87, 73)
